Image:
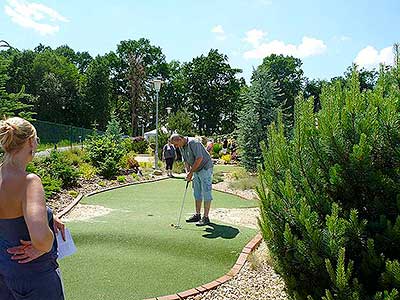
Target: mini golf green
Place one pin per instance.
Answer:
(134, 253)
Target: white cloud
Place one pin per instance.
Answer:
(28, 14)
(254, 37)
(308, 47)
(219, 32)
(369, 57)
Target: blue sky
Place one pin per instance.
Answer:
(327, 35)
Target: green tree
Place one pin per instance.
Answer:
(258, 112)
(81, 60)
(96, 93)
(130, 102)
(213, 92)
(181, 122)
(55, 83)
(287, 74)
(313, 88)
(10, 103)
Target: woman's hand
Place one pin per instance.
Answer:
(59, 226)
(25, 252)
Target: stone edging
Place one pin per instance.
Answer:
(80, 196)
(250, 247)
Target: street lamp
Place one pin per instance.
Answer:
(168, 110)
(157, 86)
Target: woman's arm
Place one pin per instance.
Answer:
(35, 214)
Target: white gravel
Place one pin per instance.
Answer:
(256, 281)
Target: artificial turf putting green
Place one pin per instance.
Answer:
(134, 253)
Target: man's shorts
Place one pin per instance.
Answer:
(202, 184)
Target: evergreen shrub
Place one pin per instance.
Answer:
(330, 195)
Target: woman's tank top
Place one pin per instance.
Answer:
(11, 232)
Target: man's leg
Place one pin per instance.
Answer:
(198, 206)
(197, 195)
(206, 183)
(207, 205)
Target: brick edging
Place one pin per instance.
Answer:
(80, 196)
(249, 248)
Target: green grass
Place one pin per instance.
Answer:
(134, 253)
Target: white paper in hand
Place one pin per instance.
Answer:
(67, 247)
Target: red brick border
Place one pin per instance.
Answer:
(250, 247)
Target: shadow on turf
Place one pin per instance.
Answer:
(220, 231)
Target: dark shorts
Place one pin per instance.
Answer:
(169, 162)
(44, 287)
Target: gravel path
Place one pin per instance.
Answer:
(256, 281)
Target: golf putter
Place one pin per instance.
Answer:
(178, 225)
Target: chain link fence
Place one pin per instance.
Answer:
(53, 133)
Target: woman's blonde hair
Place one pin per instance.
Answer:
(14, 132)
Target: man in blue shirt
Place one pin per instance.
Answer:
(199, 167)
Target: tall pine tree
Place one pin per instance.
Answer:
(259, 110)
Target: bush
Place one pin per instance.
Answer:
(73, 194)
(226, 158)
(128, 161)
(105, 153)
(73, 156)
(51, 185)
(121, 179)
(58, 167)
(136, 144)
(330, 196)
(216, 149)
(87, 171)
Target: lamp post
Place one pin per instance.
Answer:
(157, 87)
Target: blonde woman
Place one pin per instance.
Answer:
(26, 225)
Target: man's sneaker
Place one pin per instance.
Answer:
(194, 218)
(203, 222)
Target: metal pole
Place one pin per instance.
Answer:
(156, 153)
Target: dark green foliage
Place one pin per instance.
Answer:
(330, 195)
(286, 73)
(217, 147)
(51, 185)
(181, 122)
(106, 151)
(258, 112)
(213, 92)
(137, 145)
(11, 103)
(58, 167)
